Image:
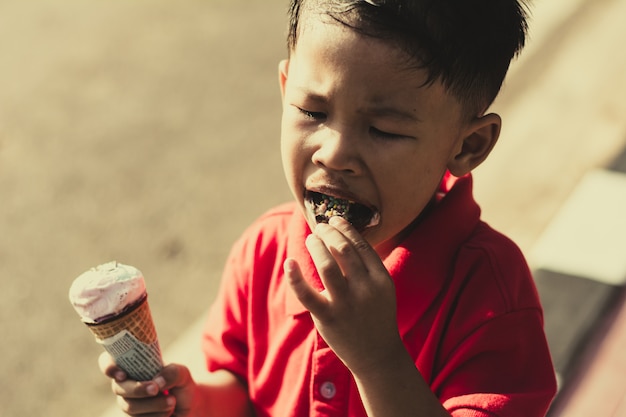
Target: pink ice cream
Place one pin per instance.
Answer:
(106, 291)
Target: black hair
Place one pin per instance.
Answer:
(466, 44)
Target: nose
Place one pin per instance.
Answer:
(338, 152)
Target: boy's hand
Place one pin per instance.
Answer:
(149, 397)
(356, 313)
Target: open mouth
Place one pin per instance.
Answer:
(323, 207)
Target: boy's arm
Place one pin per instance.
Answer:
(217, 394)
(221, 393)
(356, 315)
(396, 388)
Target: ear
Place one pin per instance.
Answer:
(283, 69)
(476, 143)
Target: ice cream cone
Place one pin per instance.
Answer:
(131, 340)
(138, 321)
(111, 300)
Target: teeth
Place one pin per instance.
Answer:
(323, 207)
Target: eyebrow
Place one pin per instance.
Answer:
(392, 112)
(310, 95)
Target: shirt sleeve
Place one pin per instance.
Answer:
(224, 340)
(494, 359)
(501, 369)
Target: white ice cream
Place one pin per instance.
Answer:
(106, 290)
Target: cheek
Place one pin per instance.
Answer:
(412, 189)
(287, 140)
(293, 158)
(295, 147)
(287, 156)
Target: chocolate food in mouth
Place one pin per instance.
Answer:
(323, 207)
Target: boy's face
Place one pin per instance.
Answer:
(358, 125)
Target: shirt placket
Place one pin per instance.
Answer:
(330, 382)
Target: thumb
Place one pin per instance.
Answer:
(176, 380)
(173, 376)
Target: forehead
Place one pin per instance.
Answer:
(328, 47)
(332, 60)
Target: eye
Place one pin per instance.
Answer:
(384, 135)
(313, 115)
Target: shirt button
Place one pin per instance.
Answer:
(328, 390)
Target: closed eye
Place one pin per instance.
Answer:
(384, 135)
(313, 115)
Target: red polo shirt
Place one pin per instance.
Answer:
(468, 314)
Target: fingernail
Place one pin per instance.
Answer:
(152, 389)
(119, 376)
(320, 226)
(333, 221)
(170, 401)
(288, 265)
(160, 381)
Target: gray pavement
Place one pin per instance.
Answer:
(147, 132)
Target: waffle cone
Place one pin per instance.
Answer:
(137, 321)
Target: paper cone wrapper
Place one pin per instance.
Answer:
(131, 340)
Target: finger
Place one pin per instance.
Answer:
(342, 249)
(161, 406)
(310, 298)
(135, 389)
(173, 376)
(368, 256)
(322, 247)
(109, 368)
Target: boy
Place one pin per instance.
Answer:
(379, 291)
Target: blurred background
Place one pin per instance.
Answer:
(147, 132)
